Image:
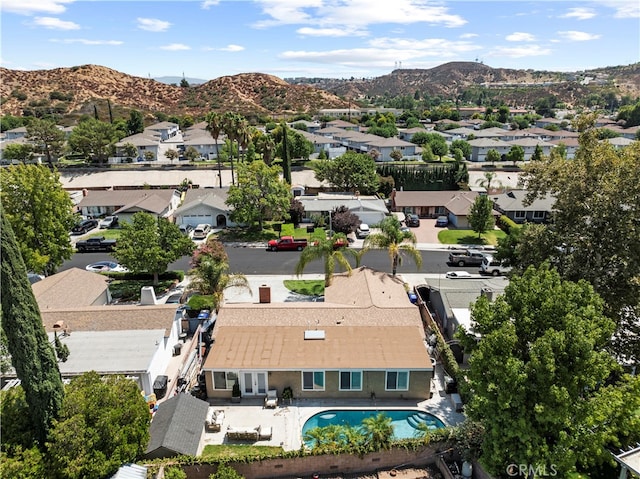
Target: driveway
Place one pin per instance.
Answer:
(427, 231)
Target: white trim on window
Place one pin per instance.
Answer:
(312, 380)
(396, 380)
(353, 380)
(224, 380)
(538, 215)
(520, 214)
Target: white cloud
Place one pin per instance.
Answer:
(29, 7)
(232, 48)
(329, 32)
(575, 36)
(355, 14)
(84, 41)
(174, 47)
(520, 37)
(153, 24)
(469, 35)
(55, 23)
(209, 3)
(579, 13)
(520, 51)
(624, 9)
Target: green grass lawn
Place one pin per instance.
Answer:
(310, 287)
(268, 233)
(107, 233)
(470, 237)
(226, 451)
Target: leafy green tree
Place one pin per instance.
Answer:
(537, 154)
(135, 124)
(104, 423)
(129, 150)
(439, 147)
(343, 220)
(47, 138)
(398, 243)
(378, 431)
(427, 154)
(149, 155)
(32, 356)
(149, 244)
(191, 153)
(516, 154)
(22, 152)
(9, 122)
(40, 213)
(324, 249)
(538, 377)
(95, 139)
(210, 272)
(396, 155)
(420, 138)
(171, 154)
(463, 146)
(174, 473)
(226, 472)
(493, 156)
(597, 192)
(349, 172)
(260, 194)
(480, 216)
(503, 114)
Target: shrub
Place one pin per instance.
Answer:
(505, 224)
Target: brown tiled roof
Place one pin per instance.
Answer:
(74, 287)
(367, 318)
(120, 198)
(429, 198)
(112, 318)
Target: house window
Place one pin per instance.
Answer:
(350, 380)
(397, 381)
(440, 210)
(520, 215)
(538, 215)
(313, 380)
(224, 379)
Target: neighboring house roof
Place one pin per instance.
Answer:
(212, 197)
(109, 352)
(342, 123)
(140, 140)
(367, 320)
(568, 141)
(405, 199)
(110, 318)
(392, 142)
(177, 427)
(489, 143)
(529, 141)
(619, 141)
(54, 291)
(492, 132)
(151, 200)
(513, 201)
(353, 203)
(460, 205)
(314, 138)
(163, 125)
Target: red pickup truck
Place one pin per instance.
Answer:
(287, 243)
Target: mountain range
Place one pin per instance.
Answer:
(91, 89)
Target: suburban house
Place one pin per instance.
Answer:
(16, 133)
(571, 145)
(177, 427)
(204, 143)
(481, 146)
(204, 206)
(125, 203)
(366, 340)
(529, 145)
(431, 204)
(164, 129)
(332, 148)
(370, 209)
(512, 205)
(131, 340)
(144, 142)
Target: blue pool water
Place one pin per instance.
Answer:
(404, 421)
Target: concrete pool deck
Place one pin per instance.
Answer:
(286, 420)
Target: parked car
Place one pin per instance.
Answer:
(106, 266)
(494, 267)
(201, 231)
(95, 244)
(412, 220)
(466, 257)
(109, 222)
(185, 229)
(459, 275)
(362, 231)
(442, 221)
(287, 243)
(84, 226)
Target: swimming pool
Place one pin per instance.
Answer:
(404, 421)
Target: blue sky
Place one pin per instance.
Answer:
(316, 38)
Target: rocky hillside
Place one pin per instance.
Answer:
(466, 80)
(83, 90)
(78, 90)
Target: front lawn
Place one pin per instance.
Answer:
(268, 233)
(112, 233)
(448, 236)
(309, 287)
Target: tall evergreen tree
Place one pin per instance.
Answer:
(31, 353)
(286, 161)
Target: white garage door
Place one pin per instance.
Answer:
(195, 220)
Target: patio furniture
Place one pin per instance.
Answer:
(214, 420)
(272, 398)
(249, 433)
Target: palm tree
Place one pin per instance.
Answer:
(268, 147)
(209, 273)
(397, 242)
(230, 122)
(214, 125)
(378, 431)
(325, 249)
(485, 182)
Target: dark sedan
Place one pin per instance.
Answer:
(412, 220)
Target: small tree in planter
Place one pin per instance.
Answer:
(236, 394)
(287, 394)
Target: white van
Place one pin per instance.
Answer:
(492, 266)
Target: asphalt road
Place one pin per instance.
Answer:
(258, 261)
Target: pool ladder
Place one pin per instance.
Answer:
(418, 418)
